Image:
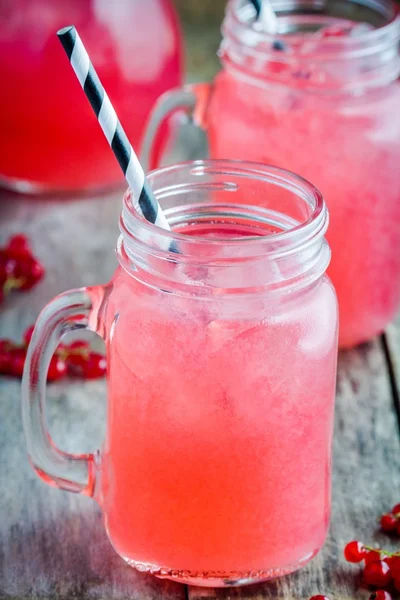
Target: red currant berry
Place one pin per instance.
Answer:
(388, 523)
(3, 274)
(11, 267)
(5, 361)
(17, 361)
(79, 345)
(372, 556)
(398, 528)
(63, 347)
(380, 595)
(378, 574)
(95, 366)
(17, 249)
(76, 362)
(31, 272)
(28, 335)
(3, 257)
(6, 345)
(79, 348)
(394, 563)
(57, 369)
(355, 552)
(397, 583)
(396, 509)
(319, 597)
(18, 242)
(15, 270)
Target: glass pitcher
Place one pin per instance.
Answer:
(221, 378)
(322, 99)
(50, 139)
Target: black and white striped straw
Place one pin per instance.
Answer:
(266, 15)
(109, 122)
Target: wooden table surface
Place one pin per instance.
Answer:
(53, 544)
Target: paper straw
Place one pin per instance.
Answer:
(111, 127)
(266, 15)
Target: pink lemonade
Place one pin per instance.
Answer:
(217, 459)
(317, 112)
(358, 174)
(50, 138)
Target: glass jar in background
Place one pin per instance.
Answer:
(50, 140)
(207, 455)
(322, 99)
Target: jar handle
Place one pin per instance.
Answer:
(76, 309)
(194, 99)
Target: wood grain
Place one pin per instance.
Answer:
(53, 544)
(391, 346)
(366, 481)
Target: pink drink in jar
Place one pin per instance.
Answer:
(50, 138)
(222, 452)
(221, 382)
(322, 99)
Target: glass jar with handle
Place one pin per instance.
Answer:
(221, 378)
(320, 98)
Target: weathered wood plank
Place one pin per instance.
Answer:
(53, 544)
(391, 344)
(365, 481)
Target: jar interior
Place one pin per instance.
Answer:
(225, 223)
(308, 16)
(230, 211)
(201, 200)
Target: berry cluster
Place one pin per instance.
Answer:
(19, 269)
(390, 522)
(75, 359)
(381, 568)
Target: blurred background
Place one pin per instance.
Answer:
(52, 145)
(201, 22)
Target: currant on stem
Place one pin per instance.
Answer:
(355, 552)
(380, 595)
(19, 268)
(377, 574)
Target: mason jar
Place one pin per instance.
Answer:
(221, 339)
(321, 98)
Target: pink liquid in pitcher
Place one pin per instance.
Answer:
(348, 145)
(217, 457)
(50, 138)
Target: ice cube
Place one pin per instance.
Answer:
(222, 331)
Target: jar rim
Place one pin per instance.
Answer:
(134, 226)
(293, 257)
(346, 46)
